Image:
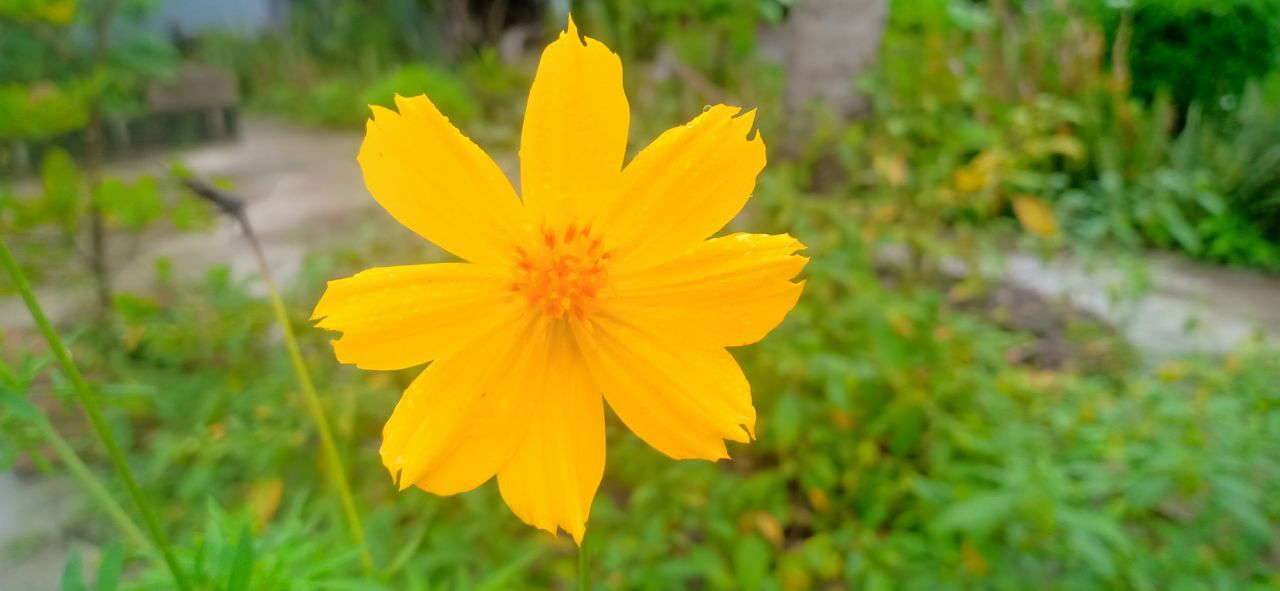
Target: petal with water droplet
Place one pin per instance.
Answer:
(683, 187)
(438, 183)
(675, 391)
(551, 481)
(466, 415)
(574, 137)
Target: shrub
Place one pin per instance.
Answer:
(1201, 50)
(446, 90)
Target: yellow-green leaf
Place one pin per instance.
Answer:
(1035, 216)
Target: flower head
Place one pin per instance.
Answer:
(597, 283)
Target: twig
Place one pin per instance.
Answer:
(233, 206)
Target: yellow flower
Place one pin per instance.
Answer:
(599, 283)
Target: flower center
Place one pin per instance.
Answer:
(563, 273)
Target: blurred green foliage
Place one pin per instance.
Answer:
(306, 84)
(1173, 40)
(1010, 102)
(57, 70)
(79, 64)
(913, 432)
(40, 111)
(48, 224)
(344, 100)
(724, 43)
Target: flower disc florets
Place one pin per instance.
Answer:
(563, 273)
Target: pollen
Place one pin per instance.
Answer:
(563, 273)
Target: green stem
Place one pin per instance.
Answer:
(336, 470)
(584, 573)
(86, 478)
(90, 406)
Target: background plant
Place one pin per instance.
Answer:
(82, 71)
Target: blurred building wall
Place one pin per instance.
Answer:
(188, 17)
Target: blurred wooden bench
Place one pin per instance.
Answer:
(209, 91)
(199, 103)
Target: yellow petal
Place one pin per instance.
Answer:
(552, 479)
(438, 183)
(398, 317)
(464, 417)
(683, 187)
(731, 290)
(680, 394)
(575, 130)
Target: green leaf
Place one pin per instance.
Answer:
(40, 110)
(504, 576)
(54, 12)
(788, 420)
(190, 213)
(73, 573)
(109, 571)
(242, 563)
(61, 181)
(978, 515)
(407, 550)
(1178, 226)
(751, 561)
(131, 205)
(18, 405)
(1094, 553)
(1238, 499)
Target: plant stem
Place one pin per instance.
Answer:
(584, 573)
(95, 152)
(337, 471)
(86, 478)
(90, 406)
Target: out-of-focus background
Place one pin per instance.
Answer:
(1035, 349)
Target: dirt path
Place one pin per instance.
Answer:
(1187, 307)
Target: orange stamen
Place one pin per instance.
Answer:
(562, 277)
